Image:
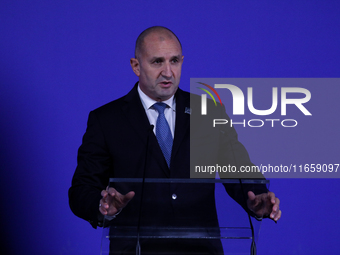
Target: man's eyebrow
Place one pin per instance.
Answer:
(176, 56)
(158, 58)
(162, 58)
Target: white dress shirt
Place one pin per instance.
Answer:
(169, 112)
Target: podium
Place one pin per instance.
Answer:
(237, 228)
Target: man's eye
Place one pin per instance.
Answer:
(157, 61)
(174, 60)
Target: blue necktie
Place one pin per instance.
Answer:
(163, 132)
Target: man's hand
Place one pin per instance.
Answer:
(265, 204)
(112, 201)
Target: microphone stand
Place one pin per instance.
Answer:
(253, 244)
(138, 248)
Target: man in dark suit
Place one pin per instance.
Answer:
(123, 140)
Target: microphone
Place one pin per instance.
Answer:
(253, 244)
(138, 248)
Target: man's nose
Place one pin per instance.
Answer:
(167, 71)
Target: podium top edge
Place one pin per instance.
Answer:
(198, 180)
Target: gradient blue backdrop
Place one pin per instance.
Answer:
(61, 59)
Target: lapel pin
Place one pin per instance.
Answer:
(187, 110)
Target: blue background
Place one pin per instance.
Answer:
(61, 59)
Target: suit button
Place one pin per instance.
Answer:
(174, 196)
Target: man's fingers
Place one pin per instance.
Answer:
(277, 201)
(117, 199)
(122, 200)
(275, 213)
(128, 197)
(103, 206)
(102, 211)
(275, 208)
(251, 196)
(265, 204)
(104, 193)
(112, 201)
(276, 216)
(273, 199)
(112, 191)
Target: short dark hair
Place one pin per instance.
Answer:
(140, 38)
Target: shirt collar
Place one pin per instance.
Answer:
(148, 102)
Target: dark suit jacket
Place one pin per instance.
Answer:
(120, 143)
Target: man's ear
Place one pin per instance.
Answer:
(135, 66)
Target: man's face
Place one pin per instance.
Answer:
(158, 66)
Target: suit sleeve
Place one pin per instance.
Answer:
(92, 173)
(232, 152)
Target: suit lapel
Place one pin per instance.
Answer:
(182, 120)
(135, 113)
